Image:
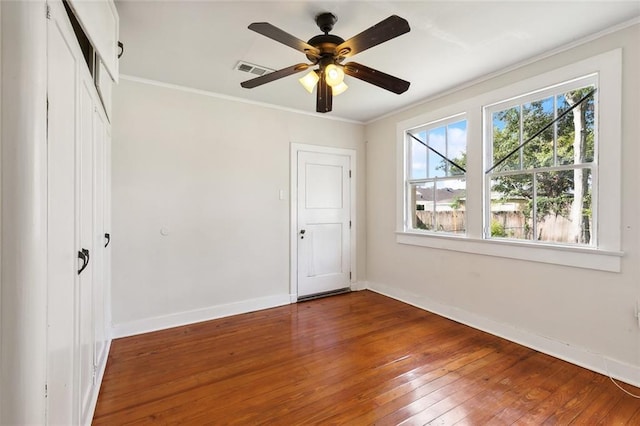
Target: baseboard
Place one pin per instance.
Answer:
(359, 286)
(190, 317)
(100, 369)
(576, 355)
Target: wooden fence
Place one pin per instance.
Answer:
(552, 228)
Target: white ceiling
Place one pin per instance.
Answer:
(197, 44)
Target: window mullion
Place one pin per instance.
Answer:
(555, 130)
(534, 207)
(446, 150)
(434, 221)
(521, 137)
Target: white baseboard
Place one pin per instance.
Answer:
(576, 355)
(100, 369)
(359, 286)
(205, 314)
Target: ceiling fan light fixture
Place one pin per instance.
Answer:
(334, 75)
(339, 88)
(309, 81)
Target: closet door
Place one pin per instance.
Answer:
(100, 232)
(62, 246)
(78, 209)
(75, 217)
(85, 291)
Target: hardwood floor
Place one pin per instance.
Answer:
(357, 359)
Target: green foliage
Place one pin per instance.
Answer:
(554, 189)
(457, 203)
(497, 229)
(453, 170)
(421, 225)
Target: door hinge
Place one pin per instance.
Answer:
(48, 11)
(349, 173)
(349, 274)
(46, 391)
(95, 369)
(349, 224)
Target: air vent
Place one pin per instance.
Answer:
(253, 68)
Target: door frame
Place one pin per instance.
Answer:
(293, 231)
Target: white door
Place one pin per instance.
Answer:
(62, 245)
(71, 233)
(323, 217)
(86, 333)
(99, 231)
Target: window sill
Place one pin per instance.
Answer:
(579, 257)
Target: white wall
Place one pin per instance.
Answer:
(209, 171)
(575, 313)
(23, 324)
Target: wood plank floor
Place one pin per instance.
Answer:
(358, 359)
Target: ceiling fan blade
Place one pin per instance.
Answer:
(384, 30)
(324, 99)
(378, 78)
(272, 76)
(275, 33)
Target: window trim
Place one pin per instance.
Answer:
(607, 255)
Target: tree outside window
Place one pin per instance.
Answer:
(541, 183)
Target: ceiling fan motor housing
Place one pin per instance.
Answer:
(326, 44)
(326, 21)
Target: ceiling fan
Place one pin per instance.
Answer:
(328, 51)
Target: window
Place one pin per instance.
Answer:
(436, 187)
(542, 151)
(516, 181)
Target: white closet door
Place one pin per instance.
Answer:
(62, 245)
(100, 194)
(86, 349)
(76, 134)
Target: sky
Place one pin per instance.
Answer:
(449, 140)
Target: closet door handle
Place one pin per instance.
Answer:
(84, 256)
(108, 237)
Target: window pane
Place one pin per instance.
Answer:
(417, 158)
(450, 205)
(437, 141)
(457, 146)
(535, 116)
(572, 149)
(511, 204)
(506, 137)
(563, 206)
(422, 206)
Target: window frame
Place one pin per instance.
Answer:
(546, 92)
(606, 256)
(410, 181)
